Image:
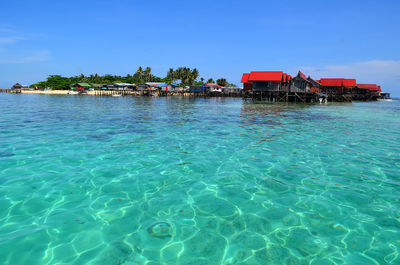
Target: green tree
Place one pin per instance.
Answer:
(171, 74)
(210, 81)
(147, 74)
(138, 76)
(58, 82)
(193, 75)
(82, 78)
(222, 82)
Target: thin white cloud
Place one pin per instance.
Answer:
(4, 28)
(39, 56)
(10, 39)
(374, 70)
(385, 73)
(11, 54)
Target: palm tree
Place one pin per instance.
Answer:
(195, 74)
(171, 74)
(202, 80)
(139, 75)
(178, 73)
(147, 74)
(210, 81)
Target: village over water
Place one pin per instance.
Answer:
(272, 86)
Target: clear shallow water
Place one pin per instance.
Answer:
(97, 180)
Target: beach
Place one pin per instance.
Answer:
(51, 92)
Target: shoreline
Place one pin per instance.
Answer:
(130, 93)
(52, 92)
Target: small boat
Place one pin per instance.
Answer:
(116, 95)
(73, 93)
(323, 98)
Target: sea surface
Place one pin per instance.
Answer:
(103, 180)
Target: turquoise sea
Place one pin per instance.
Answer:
(103, 180)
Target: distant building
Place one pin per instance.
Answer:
(232, 90)
(363, 89)
(197, 89)
(121, 86)
(337, 85)
(81, 86)
(17, 86)
(141, 87)
(159, 86)
(213, 88)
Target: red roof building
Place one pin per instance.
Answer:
(247, 86)
(213, 85)
(338, 82)
(245, 78)
(329, 82)
(349, 83)
(266, 81)
(276, 76)
(372, 87)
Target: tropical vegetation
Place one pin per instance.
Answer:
(184, 76)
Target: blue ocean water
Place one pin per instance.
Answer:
(102, 180)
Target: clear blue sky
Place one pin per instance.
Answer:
(359, 39)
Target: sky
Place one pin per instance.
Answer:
(350, 39)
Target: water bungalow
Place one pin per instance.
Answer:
(247, 85)
(337, 89)
(269, 81)
(366, 92)
(300, 83)
(337, 85)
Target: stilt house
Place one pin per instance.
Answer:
(337, 85)
(301, 83)
(269, 81)
(247, 86)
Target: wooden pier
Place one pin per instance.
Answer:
(282, 96)
(296, 97)
(198, 94)
(116, 92)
